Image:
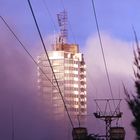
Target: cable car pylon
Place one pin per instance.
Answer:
(108, 115)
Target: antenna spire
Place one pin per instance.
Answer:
(62, 22)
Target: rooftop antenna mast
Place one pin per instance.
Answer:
(63, 22)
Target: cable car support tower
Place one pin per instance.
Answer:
(108, 114)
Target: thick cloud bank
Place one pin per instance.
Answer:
(119, 58)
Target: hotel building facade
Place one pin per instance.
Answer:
(70, 70)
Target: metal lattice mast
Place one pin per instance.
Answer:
(63, 22)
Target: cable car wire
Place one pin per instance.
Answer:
(25, 49)
(44, 47)
(102, 49)
(23, 46)
(16, 37)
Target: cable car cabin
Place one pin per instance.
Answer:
(117, 133)
(79, 133)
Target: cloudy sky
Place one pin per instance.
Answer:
(115, 17)
(115, 20)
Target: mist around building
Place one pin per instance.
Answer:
(31, 104)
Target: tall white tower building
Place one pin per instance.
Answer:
(70, 70)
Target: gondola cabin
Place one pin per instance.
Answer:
(117, 133)
(79, 133)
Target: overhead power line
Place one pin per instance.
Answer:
(25, 49)
(23, 46)
(102, 49)
(16, 37)
(44, 47)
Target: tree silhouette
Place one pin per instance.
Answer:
(134, 101)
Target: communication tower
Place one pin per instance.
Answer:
(62, 21)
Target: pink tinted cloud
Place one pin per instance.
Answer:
(119, 59)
